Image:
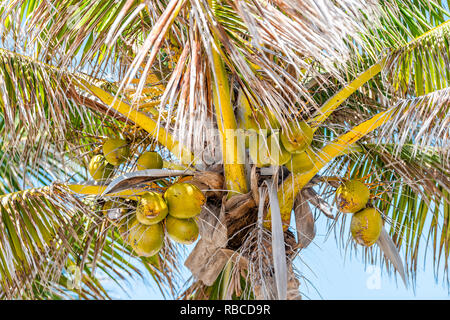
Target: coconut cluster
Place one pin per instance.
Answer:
(352, 196)
(173, 213)
(290, 147)
(116, 151)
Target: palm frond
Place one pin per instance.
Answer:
(55, 244)
(424, 120)
(64, 33)
(403, 21)
(37, 227)
(422, 66)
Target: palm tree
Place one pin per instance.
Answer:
(185, 79)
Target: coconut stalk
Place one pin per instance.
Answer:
(336, 100)
(235, 179)
(96, 189)
(142, 120)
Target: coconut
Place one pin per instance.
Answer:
(366, 226)
(247, 121)
(255, 142)
(297, 137)
(269, 152)
(124, 227)
(114, 209)
(146, 240)
(274, 151)
(254, 126)
(149, 160)
(151, 208)
(99, 168)
(352, 196)
(302, 162)
(184, 200)
(269, 122)
(183, 231)
(116, 151)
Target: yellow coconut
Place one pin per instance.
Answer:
(124, 227)
(366, 226)
(149, 160)
(269, 152)
(274, 152)
(151, 208)
(246, 117)
(116, 151)
(297, 137)
(255, 142)
(99, 168)
(146, 240)
(352, 196)
(115, 209)
(302, 162)
(184, 200)
(183, 231)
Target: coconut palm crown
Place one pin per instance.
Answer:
(192, 80)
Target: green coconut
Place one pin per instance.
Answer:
(366, 226)
(151, 208)
(184, 200)
(124, 227)
(99, 168)
(269, 152)
(265, 119)
(115, 209)
(274, 151)
(268, 122)
(352, 196)
(146, 240)
(297, 137)
(302, 162)
(116, 151)
(254, 126)
(183, 231)
(149, 160)
(253, 149)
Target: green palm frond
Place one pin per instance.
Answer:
(423, 119)
(54, 245)
(43, 113)
(36, 228)
(423, 65)
(77, 29)
(403, 21)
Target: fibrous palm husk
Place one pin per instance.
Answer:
(209, 182)
(267, 291)
(208, 258)
(304, 222)
(228, 232)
